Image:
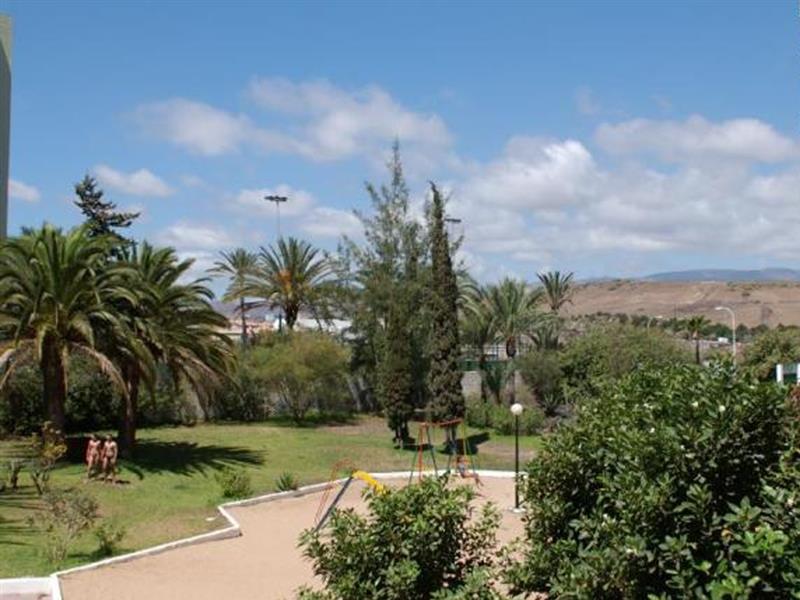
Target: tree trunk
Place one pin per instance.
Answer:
(697, 350)
(511, 352)
(244, 322)
(55, 385)
(482, 373)
(290, 314)
(127, 429)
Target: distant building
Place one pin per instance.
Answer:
(5, 118)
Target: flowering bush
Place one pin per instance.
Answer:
(681, 482)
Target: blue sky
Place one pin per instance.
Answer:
(608, 138)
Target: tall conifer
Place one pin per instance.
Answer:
(444, 376)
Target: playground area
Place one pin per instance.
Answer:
(264, 562)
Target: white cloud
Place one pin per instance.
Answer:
(192, 181)
(194, 126)
(697, 138)
(136, 183)
(22, 191)
(186, 236)
(534, 174)
(341, 123)
(545, 202)
(324, 123)
(328, 222)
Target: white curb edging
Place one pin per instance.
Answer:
(232, 530)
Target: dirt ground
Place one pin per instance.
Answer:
(263, 563)
(769, 303)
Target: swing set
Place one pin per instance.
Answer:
(425, 441)
(324, 513)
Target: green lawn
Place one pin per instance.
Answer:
(169, 491)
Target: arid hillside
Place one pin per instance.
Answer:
(770, 303)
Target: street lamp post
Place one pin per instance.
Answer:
(277, 200)
(516, 410)
(733, 326)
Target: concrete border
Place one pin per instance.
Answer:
(233, 529)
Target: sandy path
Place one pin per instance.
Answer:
(263, 563)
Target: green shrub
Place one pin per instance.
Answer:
(673, 483)
(608, 352)
(65, 515)
(486, 415)
(286, 482)
(92, 402)
(417, 542)
(541, 371)
(303, 371)
(244, 398)
(234, 483)
(22, 409)
(108, 536)
(769, 349)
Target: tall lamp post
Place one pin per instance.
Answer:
(277, 200)
(516, 410)
(733, 326)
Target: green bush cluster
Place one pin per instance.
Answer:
(287, 482)
(234, 483)
(606, 353)
(770, 348)
(487, 415)
(422, 541)
(679, 482)
(290, 374)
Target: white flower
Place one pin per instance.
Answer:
(652, 430)
(722, 408)
(695, 404)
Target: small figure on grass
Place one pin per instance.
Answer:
(110, 452)
(92, 456)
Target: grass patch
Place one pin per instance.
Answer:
(170, 490)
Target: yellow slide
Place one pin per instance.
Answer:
(369, 480)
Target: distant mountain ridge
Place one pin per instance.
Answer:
(726, 275)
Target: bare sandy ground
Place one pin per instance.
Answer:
(754, 303)
(263, 563)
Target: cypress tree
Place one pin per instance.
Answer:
(396, 382)
(444, 376)
(101, 215)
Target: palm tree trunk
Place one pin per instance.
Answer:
(127, 429)
(244, 322)
(290, 313)
(482, 373)
(511, 352)
(55, 385)
(697, 350)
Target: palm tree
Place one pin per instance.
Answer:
(172, 323)
(695, 326)
(558, 289)
(236, 265)
(290, 276)
(54, 292)
(514, 307)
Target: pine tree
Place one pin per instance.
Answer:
(444, 376)
(390, 264)
(101, 215)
